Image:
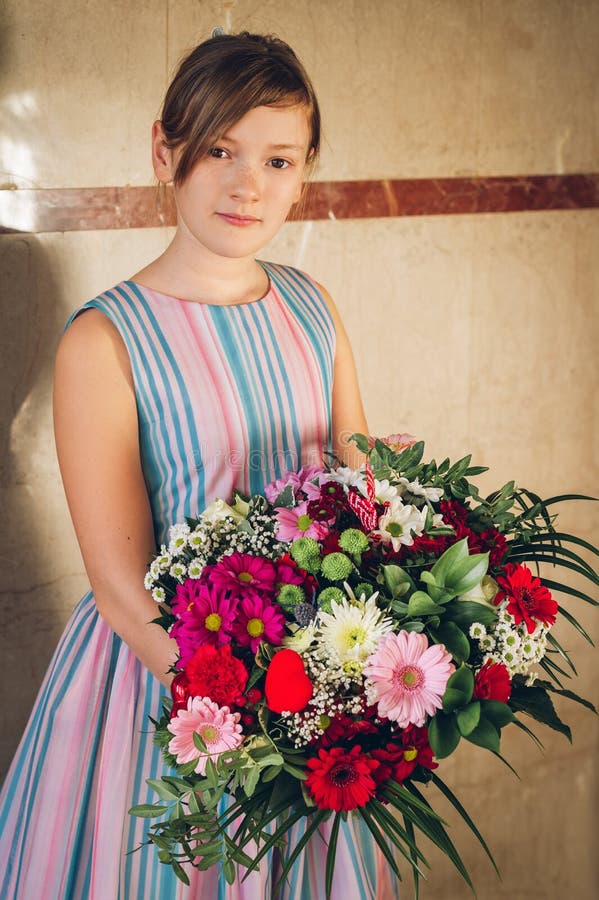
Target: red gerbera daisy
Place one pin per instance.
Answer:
(215, 673)
(528, 600)
(340, 779)
(492, 682)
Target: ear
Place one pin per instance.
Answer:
(162, 157)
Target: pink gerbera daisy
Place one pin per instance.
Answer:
(407, 678)
(243, 572)
(297, 523)
(217, 726)
(258, 620)
(205, 615)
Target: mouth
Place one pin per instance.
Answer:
(234, 219)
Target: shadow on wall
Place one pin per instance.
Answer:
(32, 535)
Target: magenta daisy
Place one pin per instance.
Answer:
(258, 620)
(218, 727)
(205, 615)
(406, 677)
(242, 572)
(297, 523)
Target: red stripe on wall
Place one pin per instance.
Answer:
(82, 209)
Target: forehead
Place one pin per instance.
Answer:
(280, 126)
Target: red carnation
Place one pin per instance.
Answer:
(494, 541)
(340, 779)
(215, 673)
(528, 600)
(492, 682)
(346, 728)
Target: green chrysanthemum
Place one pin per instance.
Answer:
(364, 590)
(306, 552)
(328, 596)
(290, 596)
(337, 566)
(352, 540)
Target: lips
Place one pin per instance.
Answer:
(234, 219)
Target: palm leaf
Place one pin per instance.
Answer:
(365, 813)
(449, 795)
(332, 848)
(317, 819)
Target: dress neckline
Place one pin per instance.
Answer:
(269, 293)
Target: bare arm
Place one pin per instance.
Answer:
(95, 422)
(348, 411)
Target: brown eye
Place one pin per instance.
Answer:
(278, 163)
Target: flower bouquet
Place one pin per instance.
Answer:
(338, 637)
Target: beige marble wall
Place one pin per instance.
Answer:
(478, 333)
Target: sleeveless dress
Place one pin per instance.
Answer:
(227, 396)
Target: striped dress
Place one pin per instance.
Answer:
(227, 397)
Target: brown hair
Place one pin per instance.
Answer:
(221, 80)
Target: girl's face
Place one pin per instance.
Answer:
(238, 196)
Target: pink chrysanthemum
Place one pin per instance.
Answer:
(205, 615)
(242, 573)
(258, 620)
(297, 523)
(407, 678)
(218, 727)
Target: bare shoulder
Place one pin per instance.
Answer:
(92, 342)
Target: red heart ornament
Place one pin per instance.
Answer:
(287, 687)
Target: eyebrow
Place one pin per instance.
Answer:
(279, 147)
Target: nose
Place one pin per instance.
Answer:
(245, 184)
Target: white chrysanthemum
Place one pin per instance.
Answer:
(349, 477)
(178, 536)
(302, 637)
(384, 491)
(487, 642)
(197, 538)
(433, 494)
(159, 594)
(352, 630)
(477, 631)
(148, 581)
(163, 561)
(155, 571)
(178, 570)
(512, 640)
(195, 568)
(400, 523)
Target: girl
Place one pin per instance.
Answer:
(205, 371)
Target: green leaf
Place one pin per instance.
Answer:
(447, 793)
(499, 714)
(293, 770)
(361, 442)
(420, 604)
(147, 811)
(465, 612)
(450, 557)
(444, 735)
(536, 702)
(466, 574)
(462, 680)
(570, 695)
(286, 498)
(180, 872)
(164, 791)
(468, 718)
(397, 581)
(485, 735)
(251, 781)
(454, 640)
(330, 861)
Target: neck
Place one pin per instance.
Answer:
(204, 277)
